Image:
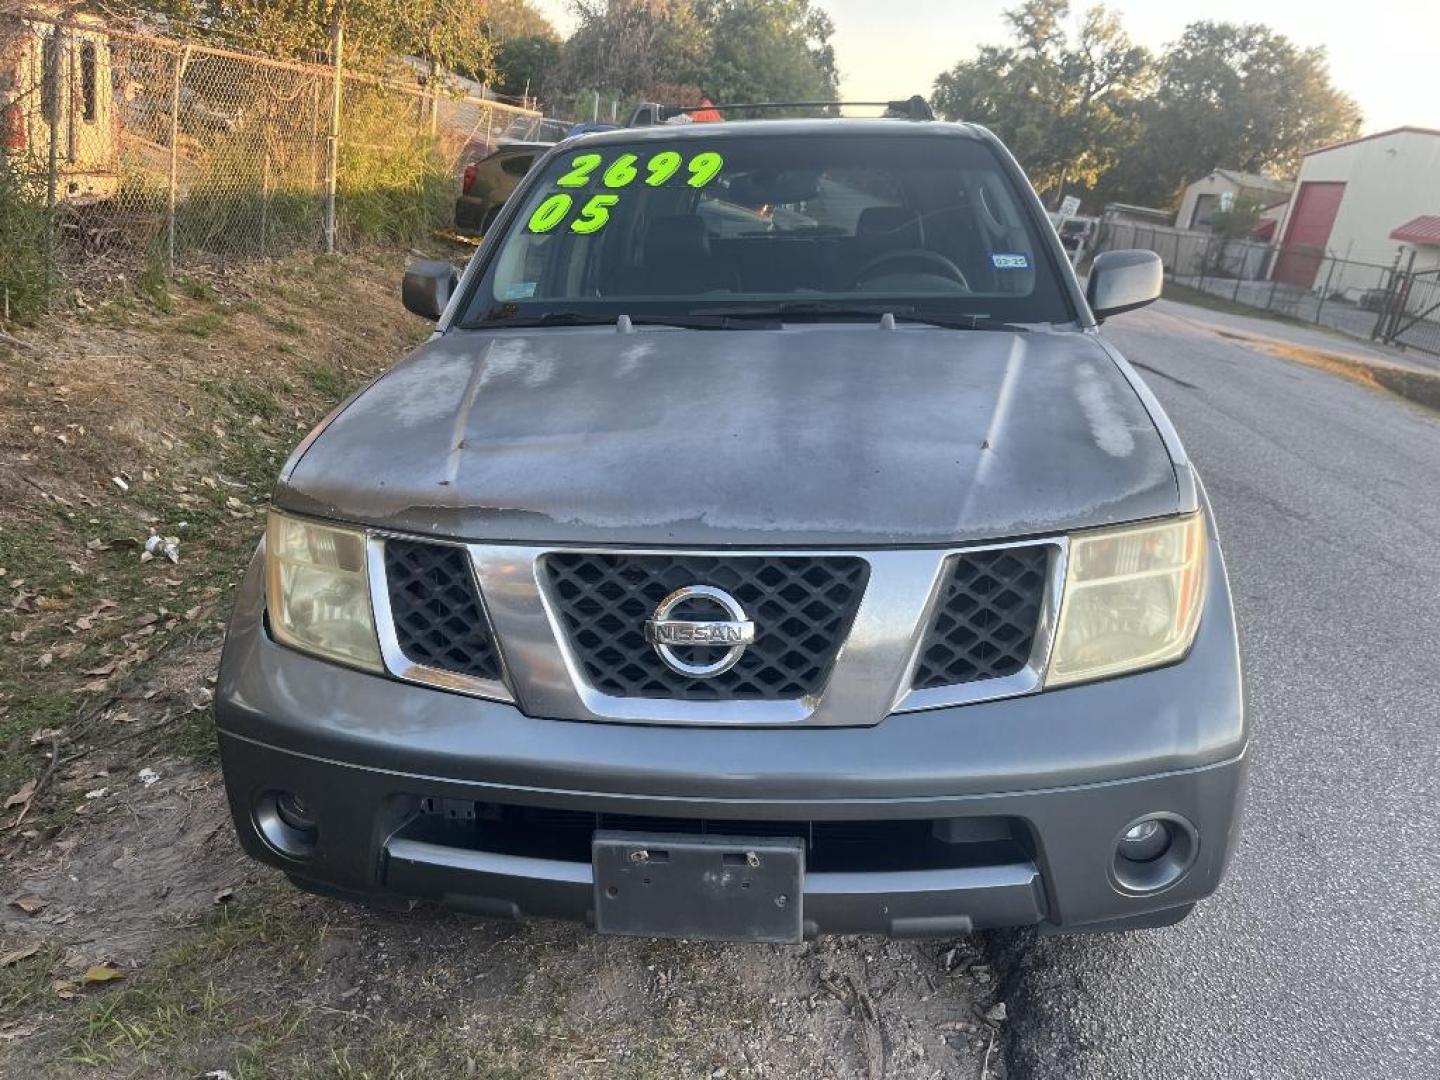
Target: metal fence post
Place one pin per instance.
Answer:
(1325, 292)
(51, 108)
(171, 195)
(435, 76)
(332, 139)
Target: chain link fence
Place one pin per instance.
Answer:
(128, 154)
(1309, 286)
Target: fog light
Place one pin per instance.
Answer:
(1153, 852)
(1143, 841)
(294, 812)
(286, 823)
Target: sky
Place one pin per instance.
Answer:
(1383, 53)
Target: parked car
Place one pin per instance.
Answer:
(533, 129)
(824, 573)
(488, 182)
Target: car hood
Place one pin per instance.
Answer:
(808, 435)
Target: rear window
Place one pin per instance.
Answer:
(655, 226)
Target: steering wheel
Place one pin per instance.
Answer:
(931, 259)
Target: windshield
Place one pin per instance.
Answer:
(754, 224)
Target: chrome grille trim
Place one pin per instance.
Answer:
(870, 679)
(1027, 680)
(396, 662)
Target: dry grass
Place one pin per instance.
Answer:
(170, 417)
(1420, 387)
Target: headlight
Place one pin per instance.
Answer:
(1132, 599)
(317, 591)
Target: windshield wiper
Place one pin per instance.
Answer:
(902, 312)
(716, 321)
(959, 322)
(801, 310)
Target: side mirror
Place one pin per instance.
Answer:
(1123, 281)
(427, 286)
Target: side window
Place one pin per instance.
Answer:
(517, 165)
(88, 89)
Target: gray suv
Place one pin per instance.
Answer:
(765, 544)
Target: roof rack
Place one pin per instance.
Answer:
(654, 112)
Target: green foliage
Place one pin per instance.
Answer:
(154, 283)
(1066, 109)
(521, 64)
(729, 49)
(1239, 97)
(1100, 113)
(1238, 222)
(24, 271)
(394, 185)
(768, 50)
(449, 32)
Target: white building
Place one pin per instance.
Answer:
(1224, 188)
(1350, 200)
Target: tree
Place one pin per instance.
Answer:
(628, 45)
(522, 64)
(768, 50)
(730, 49)
(1238, 222)
(1238, 97)
(447, 32)
(1066, 109)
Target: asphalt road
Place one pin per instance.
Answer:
(1320, 955)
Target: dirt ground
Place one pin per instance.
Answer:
(135, 939)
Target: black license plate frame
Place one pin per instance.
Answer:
(706, 888)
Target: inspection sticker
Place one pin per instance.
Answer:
(1014, 260)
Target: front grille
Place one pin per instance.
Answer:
(802, 606)
(436, 609)
(984, 625)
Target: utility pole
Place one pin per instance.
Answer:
(332, 139)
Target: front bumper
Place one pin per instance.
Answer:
(400, 779)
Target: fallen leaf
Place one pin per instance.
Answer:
(224, 896)
(146, 619)
(104, 669)
(44, 735)
(46, 659)
(121, 484)
(21, 797)
(30, 903)
(98, 793)
(64, 989)
(17, 1031)
(101, 973)
(10, 959)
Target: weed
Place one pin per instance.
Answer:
(24, 268)
(154, 282)
(25, 984)
(331, 383)
(202, 324)
(287, 324)
(195, 288)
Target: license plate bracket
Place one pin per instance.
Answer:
(711, 888)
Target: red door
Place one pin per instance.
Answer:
(1308, 232)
